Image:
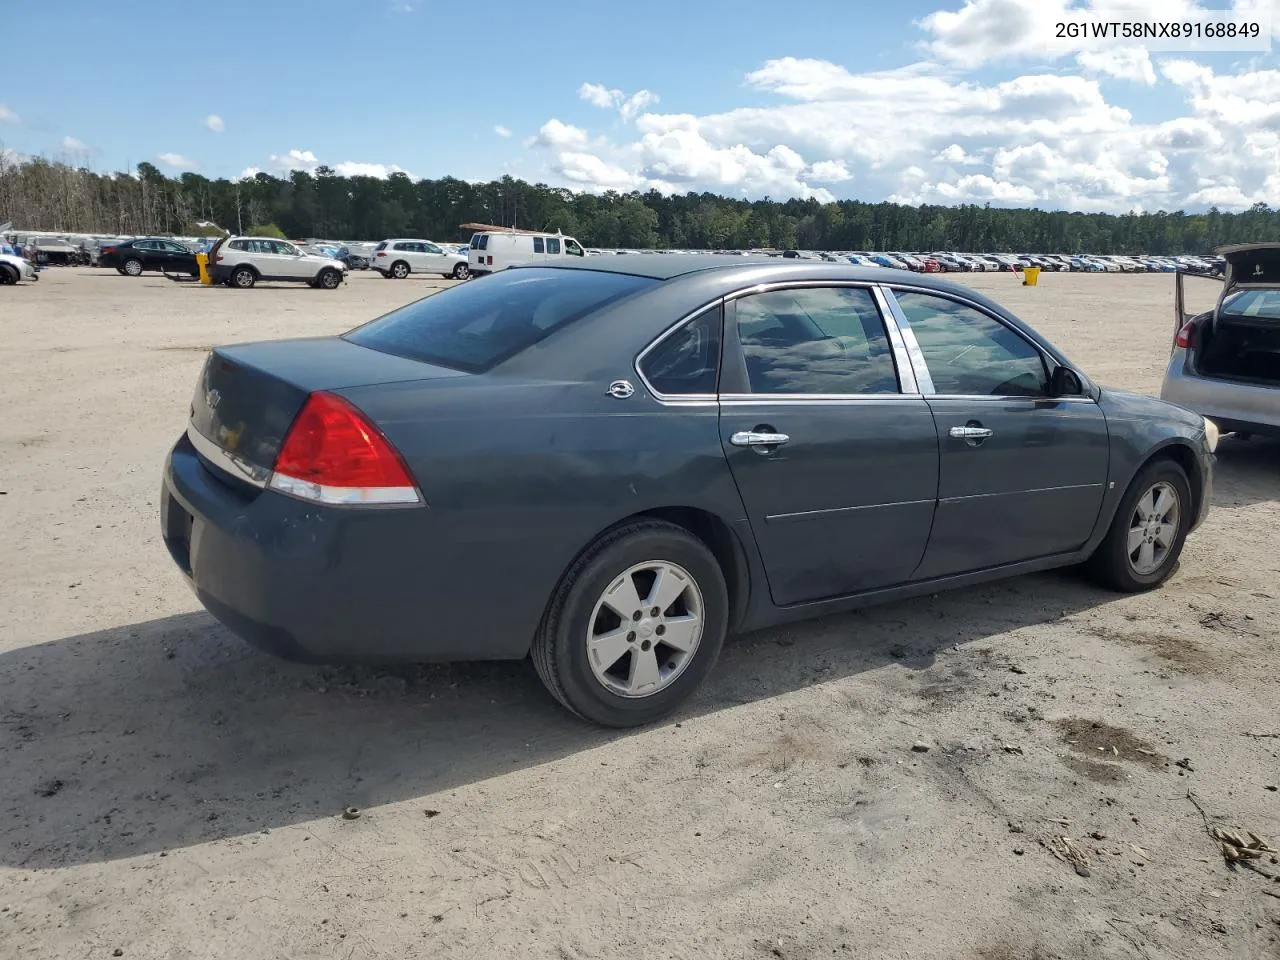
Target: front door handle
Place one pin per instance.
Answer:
(753, 438)
(971, 433)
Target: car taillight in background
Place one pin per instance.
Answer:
(1183, 339)
(333, 454)
(108, 249)
(489, 262)
(382, 253)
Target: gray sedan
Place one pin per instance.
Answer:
(610, 465)
(1225, 362)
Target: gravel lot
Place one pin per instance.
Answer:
(167, 792)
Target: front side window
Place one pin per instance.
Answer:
(688, 361)
(285, 249)
(475, 326)
(572, 248)
(538, 245)
(553, 245)
(970, 353)
(431, 248)
(826, 340)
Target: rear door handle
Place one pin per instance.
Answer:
(751, 438)
(971, 433)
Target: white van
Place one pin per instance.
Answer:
(494, 251)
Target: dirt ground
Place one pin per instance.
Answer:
(167, 792)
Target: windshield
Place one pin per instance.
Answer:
(1264, 304)
(475, 326)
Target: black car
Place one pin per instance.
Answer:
(611, 464)
(132, 257)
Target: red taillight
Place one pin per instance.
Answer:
(334, 454)
(1183, 339)
(490, 262)
(382, 253)
(108, 249)
(217, 258)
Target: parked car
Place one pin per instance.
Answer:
(243, 261)
(396, 259)
(14, 269)
(498, 250)
(800, 439)
(133, 257)
(1225, 362)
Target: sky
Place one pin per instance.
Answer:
(914, 101)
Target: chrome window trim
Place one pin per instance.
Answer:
(741, 399)
(924, 379)
(908, 382)
(226, 461)
(913, 345)
(672, 398)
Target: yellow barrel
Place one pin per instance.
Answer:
(1030, 276)
(202, 261)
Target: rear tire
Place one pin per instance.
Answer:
(8, 276)
(585, 651)
(242, 278)
(399, 270)
(1147, 533)
(131, 268)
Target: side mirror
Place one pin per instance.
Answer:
(1065, 382)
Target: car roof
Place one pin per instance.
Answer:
(671, 266)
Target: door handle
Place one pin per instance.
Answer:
(752, 438)
(971, 433)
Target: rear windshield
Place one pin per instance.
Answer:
(381, 246)
(477, 325)
(1254, 303)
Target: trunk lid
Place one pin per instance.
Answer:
(248, 395)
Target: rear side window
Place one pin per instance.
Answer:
(239, 244)
(688, 361)
(815, 341)
(484, 242)
(475, 326)
(537, 245)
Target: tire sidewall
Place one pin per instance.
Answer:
(588, 696)
(131, 273)
(1117, 546)
(235, 278)
(400, 270)
(461, 271)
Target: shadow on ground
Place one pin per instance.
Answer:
(169, 733)
(172, 732)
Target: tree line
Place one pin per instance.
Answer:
(49, 196)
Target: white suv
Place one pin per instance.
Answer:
(399, 258)
(243, 261)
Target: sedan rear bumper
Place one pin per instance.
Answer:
(1233, 406)
(323, 584)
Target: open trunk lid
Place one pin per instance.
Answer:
(248, 395)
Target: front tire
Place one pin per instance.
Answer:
(461, 271)
(242, 278)
(399, 270)
(329, 279)
(8, 276)
(634, 625)
(132, 268)
(1148, 531)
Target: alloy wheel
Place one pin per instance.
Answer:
(1153, 528)
(645, 629)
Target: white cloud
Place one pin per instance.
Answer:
(7, 115)
(214, 123)
(248, 173)
(955, 154)
(72, 145)
(589, 171)
(502, 131)
(294, 160)
(177, 161)
(829, 171)
(628, 107)
(1123, 63)
(554, 133)
(380, 171)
